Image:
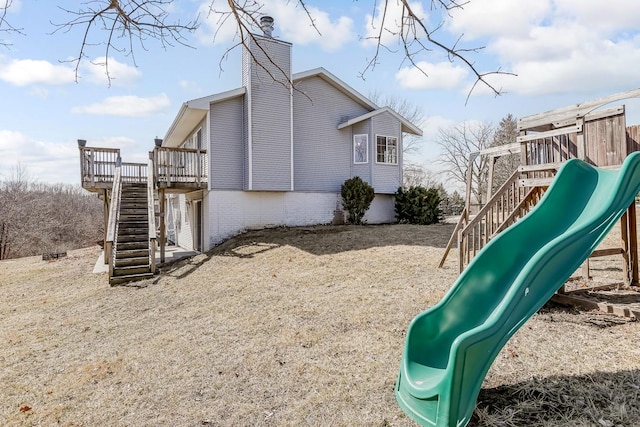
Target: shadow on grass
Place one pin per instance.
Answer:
(600, 399)
(332, 239)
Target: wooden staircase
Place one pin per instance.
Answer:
(131, 246)
(131, 232)
(512, 201)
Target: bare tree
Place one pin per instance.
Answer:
(458, 144)
(414, 175)
(5, 25)
(121, 26)
(506, 133)
(411, 144)
(37, 218)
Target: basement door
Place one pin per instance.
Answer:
(197, 225)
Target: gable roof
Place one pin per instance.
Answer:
(337, 83)
(407, 126)
(193, 112)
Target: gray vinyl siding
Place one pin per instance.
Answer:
(386, 177)
(226, 148)
(323, 155)
(363, 170)
(270, 117)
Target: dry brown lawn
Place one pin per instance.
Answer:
(284, 327)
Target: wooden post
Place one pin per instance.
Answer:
(580, 141)
(472, 159)
(492, 164)
(105, 214)
(633, 243)
(162, 225)
(624, 237)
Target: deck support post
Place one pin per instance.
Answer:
(162, 225)
(105, 215)
(633, 243)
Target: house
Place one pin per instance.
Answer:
(277, 154)
(273, 152)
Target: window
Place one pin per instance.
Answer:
(361, 148)
(387, 149)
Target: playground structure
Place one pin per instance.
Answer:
(450, 347)
(579, 175)
(584, 131)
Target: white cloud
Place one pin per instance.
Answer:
(48, 162)
(615, 15)
(25, 72)
(555, 46)
(443, 75)
(291, 24)
(119, 73)
(497, 17)
(392, 19)
(128, 106)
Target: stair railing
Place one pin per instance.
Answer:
(152, 218)
(512, 201)
(114, 213)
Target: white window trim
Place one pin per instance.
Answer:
(366, 137)
(386, 149)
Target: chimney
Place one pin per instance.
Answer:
(266, 23)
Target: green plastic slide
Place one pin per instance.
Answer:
(450, 347)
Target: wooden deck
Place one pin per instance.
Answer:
(177, 170)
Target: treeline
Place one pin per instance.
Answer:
(38, 218)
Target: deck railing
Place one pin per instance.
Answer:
(112, 226)
(151, 218)
(97, 166)
(180, 166)
(134, 173)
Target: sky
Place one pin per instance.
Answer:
(562, 52)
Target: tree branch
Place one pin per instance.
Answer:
(131, 20)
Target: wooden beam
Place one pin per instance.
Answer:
(162, 225)
(592, 305)
(453, 238)
(633, 243)
(501, 150)
(573, 111)
(540, 135)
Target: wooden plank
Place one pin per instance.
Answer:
(501, 150)
(594, 115)
(541, 135)
(573, 111)
(592, 305)
(551, 167)
(633, 243)
(453, 238)
(606, 252)
(535, 182)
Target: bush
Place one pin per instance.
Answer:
(357, 196)
(418, 205)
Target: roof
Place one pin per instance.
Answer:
(194, 111)
(337, 83)
(407, 126)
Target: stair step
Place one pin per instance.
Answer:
(132, 253)
(131, 261)
(132, 217)
(127, 246)
(132, 269)
(129, 238)
(141, 233)
(117, 280)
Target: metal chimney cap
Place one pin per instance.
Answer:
(266, 23)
